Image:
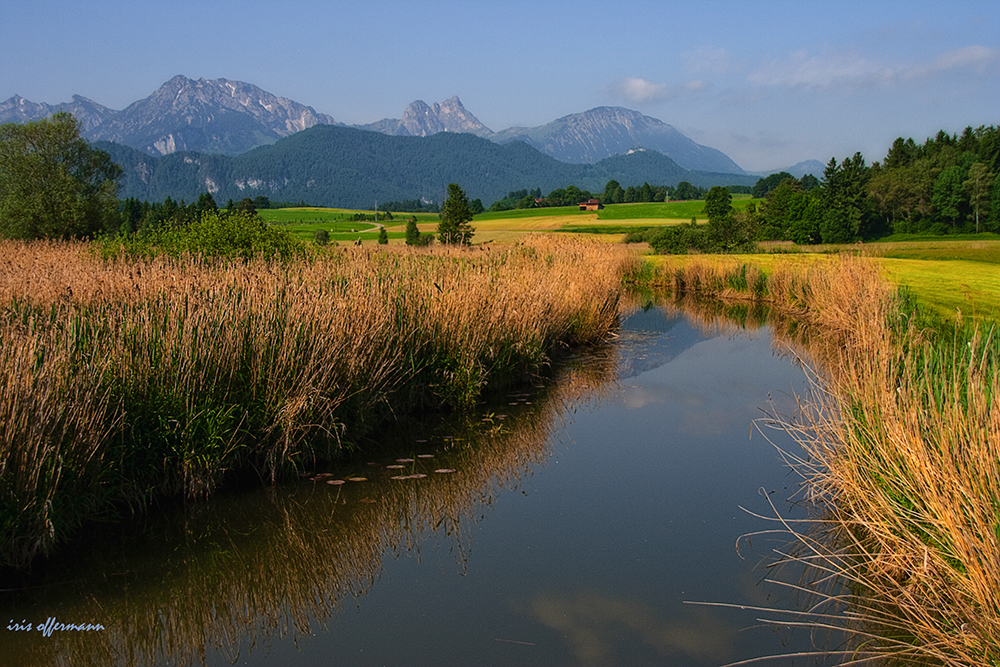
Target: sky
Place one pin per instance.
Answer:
(770, 83)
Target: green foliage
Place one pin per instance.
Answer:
(411, 206)
(455, 217)
(681, 239)
(947, 193)
(718, 204)
(413, 235)
(783, 209)
(977, 187)
(765, 185)
(383, 236)
(685, 190)
(805, 229)
(412, 232)
(53, 184)
(321, 237)
(236, 235)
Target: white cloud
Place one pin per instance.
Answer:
(639, 90)
(976, 57)
(802, 70)
(635, 89)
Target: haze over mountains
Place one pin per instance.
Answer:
(235, 139)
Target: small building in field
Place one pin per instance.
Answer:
(591, 205)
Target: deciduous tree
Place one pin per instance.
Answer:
(978, 186)
(53, 184)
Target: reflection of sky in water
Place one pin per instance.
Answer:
(637, 510)
(589, 559)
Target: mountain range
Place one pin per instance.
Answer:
(231, 117)
(333, 165)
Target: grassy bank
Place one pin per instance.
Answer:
(902, 442)
(125, 381)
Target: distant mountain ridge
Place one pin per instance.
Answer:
(89, 113)
(582, 138)
(798, 170)
(217, 116)
(232, 117)
(605, 131)
(339, 166)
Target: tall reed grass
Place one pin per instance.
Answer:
(902, 452)
(123, 381)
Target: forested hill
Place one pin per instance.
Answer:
(339, 166)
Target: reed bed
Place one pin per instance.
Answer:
(257, 566)
(902, 454)
(123, 381)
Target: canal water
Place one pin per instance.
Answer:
(612, 514)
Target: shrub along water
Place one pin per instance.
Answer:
(123, 380)
(902, 445)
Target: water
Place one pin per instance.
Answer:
(584, 523)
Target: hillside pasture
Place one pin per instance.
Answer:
(665, 212)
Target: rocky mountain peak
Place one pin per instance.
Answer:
(421, 120)
(89, 113)
(211, 115)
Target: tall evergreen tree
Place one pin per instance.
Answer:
(412, 232)
(456, 215)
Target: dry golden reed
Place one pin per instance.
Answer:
(902, 452)
(123, 380)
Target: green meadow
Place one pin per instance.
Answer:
(303, 223)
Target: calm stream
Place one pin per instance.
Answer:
(584, 519)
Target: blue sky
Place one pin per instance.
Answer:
(769, 83)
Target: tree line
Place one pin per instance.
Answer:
(947, 185)
(613, 193)
(53, 184)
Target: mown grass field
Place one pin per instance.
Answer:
(303, 223)
(612, 223)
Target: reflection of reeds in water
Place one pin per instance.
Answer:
(281, 561)
(124, 381)
(901, 443)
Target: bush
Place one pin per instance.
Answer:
(213, 234)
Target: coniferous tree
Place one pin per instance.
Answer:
(455, 217)
(412, 232)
